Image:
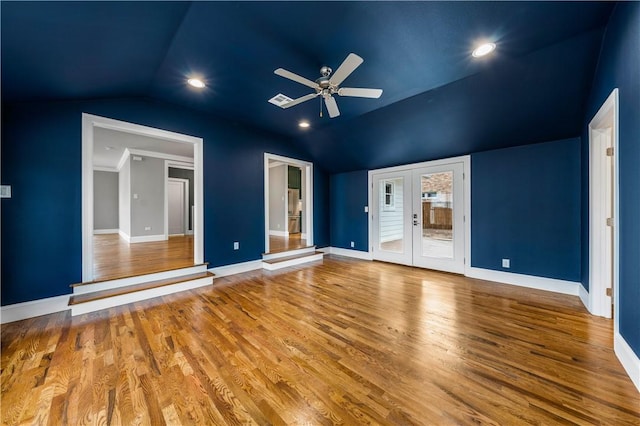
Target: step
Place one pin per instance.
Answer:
(285, 262)
(278, 254)
(97, 300)
(99, 285)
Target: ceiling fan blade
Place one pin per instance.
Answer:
(299, 100)
(295, 77)
(360, 93)
(352, 62)
(332, 106)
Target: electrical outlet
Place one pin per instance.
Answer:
(135, 196)
(366, 209)
(352, 244)
(506, 263)
(147, 228)
(236, 245)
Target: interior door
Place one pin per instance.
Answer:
(438, 217)
(176, 207)
(391, 215)
(418, 217)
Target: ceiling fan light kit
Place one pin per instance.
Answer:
(328, 84)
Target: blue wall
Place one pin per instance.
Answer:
(41, 159)
(525, 206)
(619, 66)
(349, 222)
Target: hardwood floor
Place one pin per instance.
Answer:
(114, 258)
(292, 242)
(342, 342)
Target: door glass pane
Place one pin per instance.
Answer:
(391, 223)
(437, 214)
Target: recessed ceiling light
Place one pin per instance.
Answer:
(304, 124)
(195, 82)
(483, 49)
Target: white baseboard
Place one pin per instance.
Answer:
(34, 308)
(278, 233)
(124, 235)
(530, 281)
(189, 232)
(364, 255)
(147, 239)
(628, 359)
(105, 231)
(303, 235)
(584, 297)
(236, 268)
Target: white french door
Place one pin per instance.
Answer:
(418, 217)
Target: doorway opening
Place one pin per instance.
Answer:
(603, 229)
(288, 194)
(136, 241)
(418, 214)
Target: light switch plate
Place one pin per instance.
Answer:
(5, 191)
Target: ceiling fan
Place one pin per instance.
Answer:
(328, 84)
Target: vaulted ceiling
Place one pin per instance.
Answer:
(437, 99)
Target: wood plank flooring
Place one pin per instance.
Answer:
(114, 258)
(292, 242)
(342, 342)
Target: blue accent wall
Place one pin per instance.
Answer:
(41, 160)
(525, 206)
(619, 66)
(348, 219)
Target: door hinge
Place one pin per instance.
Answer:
(609, 221)
(610, 152)
(609, 292)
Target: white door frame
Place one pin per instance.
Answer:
(185, 201)
(603, 133)
(307, 170)
(174, 164)
(89, 123)
(466, 161)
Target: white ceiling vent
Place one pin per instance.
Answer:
(280, 100)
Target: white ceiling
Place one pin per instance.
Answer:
(109, 145)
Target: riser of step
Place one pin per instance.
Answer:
(125, 282)
(123, 299)
(292, 262)
(287, 253)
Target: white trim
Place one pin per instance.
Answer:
(105, 231)
(307, 169)
(124, 236)
(185, 195)
(147, 238)
(279, 233)
(236, 268)
(529, 281)
(123, 159)
(628, 358)
(357, 254)
(584, 297)
(89, 122)
(105, 169)
(601, 261)
(34, 308)
(312, 257)
(161, 155)
(287, 253)
(137, 296)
